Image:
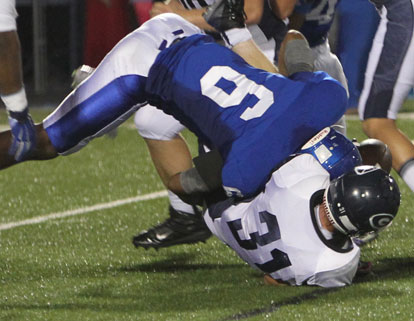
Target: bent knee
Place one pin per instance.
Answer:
(374, 127)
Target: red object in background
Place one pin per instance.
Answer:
(142, 10)
(105, 26)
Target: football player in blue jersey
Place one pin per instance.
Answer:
(161, 132)
(255, 119)
(313, 19)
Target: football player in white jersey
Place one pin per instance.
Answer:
(389, 77)
(12, 91)
(297, 231)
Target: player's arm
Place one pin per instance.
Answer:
(282, 8)
(195, 16)
(203, 178)
(235, 34)
(253, 9)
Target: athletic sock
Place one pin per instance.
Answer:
(179, 205)
(407, 173)
(236, 35)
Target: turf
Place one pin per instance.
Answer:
(84, 267)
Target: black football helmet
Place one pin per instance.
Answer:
(363, 200)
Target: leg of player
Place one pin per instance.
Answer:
(402, 149)
(295, 54)
(170, 155)
(388, 79)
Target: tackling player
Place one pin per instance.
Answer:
(162, 132)
(313, 19)
(12, 91)
(230, 106)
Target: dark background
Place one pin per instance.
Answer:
(59, 46)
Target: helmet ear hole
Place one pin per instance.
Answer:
(364, 200)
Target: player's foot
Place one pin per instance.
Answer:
(364, 268)
(226, 14)
(179, 228)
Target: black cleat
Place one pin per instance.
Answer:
(179, 228)
(226, 14)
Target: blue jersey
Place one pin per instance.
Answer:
(254, 118)
(319, 16)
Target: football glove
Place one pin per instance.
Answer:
(23, 134)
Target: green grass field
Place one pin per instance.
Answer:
(84, 267)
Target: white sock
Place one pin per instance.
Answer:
(179, 205)
(236, 35)
(16, 102)
(407, 173)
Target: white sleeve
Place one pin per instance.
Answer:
(8, 15)
(338, 277)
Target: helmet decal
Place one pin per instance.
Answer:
(364, 169)
(380, 220)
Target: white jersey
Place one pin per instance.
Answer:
(8, 15)
(278, 231)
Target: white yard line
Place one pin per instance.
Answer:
(82, 210)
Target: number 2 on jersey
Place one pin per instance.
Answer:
(243, 87)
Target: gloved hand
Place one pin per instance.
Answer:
(23, 134)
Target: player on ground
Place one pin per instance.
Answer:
(12, 91)
(298, 230)
(388, 79)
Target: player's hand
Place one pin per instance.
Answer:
(23, 134)
(160, 8)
